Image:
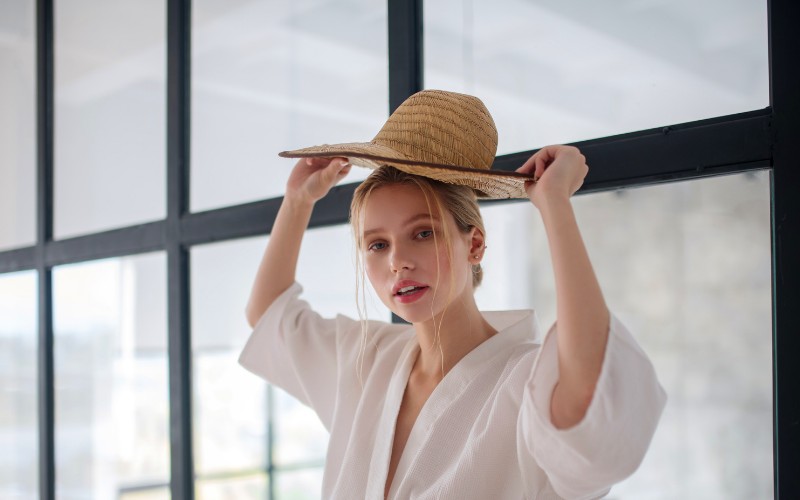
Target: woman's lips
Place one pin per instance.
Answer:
(412, 295)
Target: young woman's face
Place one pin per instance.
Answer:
(411, 271)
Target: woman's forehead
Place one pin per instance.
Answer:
(408, 193)
(396, 205)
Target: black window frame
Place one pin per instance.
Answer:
(753, 140)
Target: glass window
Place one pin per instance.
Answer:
(555, 71)
(303, 484)
(687, 267)
(19, 428)
(300, 437)
(111, 390)
(110, 91)
(243, 486)
(229, 404)
(269, 76)
(17, 123)
(147, 494)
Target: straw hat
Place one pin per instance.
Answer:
(442, 135)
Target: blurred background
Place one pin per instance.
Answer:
(686, 265)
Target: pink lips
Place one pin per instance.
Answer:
(413, 291)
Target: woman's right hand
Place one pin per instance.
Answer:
(312, 178)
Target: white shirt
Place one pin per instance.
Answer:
(484, 432)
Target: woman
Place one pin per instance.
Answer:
(461, 404)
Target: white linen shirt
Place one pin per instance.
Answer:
(484, 432)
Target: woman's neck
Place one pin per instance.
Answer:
(445, 340)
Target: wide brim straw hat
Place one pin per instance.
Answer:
(437, 134)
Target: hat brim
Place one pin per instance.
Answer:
(493, 184)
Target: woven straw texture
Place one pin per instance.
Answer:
(442, 135)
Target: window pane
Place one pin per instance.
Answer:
(253, 486)
(111, 391)
(299, 435)
(17, 123)
(687, 267)
(230, 404)
(19, 435)
(109, 114)
(305, 484)
(268, 76)
(146, 494)
(556, 71)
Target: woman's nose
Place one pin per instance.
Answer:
(400, 259)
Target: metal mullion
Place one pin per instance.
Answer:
(256, 219)
(44, 234)
(240, 221)
(698, 149)
(405, 50)
(18, 259)
(46, 386)
(114, 243)
(179, 341)
(180, 379)
(784, 45)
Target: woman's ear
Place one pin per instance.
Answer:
(477, 245)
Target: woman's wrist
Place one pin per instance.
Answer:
(297, 201)
(552, 203)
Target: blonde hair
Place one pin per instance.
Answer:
(458, 201)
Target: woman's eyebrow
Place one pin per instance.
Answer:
(411, 220)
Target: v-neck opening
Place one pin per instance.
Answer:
(382, 453)
(452, 385)
(457, 377)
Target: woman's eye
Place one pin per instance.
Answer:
(378, 245)
(423, 235)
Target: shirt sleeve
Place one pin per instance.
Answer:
(610, 442)
(296, 349)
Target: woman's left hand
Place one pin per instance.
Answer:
(559, 170)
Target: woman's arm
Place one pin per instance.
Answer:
(582, 315)
(310, 180)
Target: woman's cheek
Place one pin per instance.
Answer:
(371, 267)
